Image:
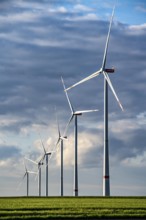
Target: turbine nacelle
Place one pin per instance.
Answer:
(63, 138)
(77, 113)
(48, 153)
(109, 70)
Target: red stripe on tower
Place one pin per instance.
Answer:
(106, 177)
(76, 190)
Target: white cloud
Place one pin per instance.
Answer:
(8, 121)
(29, 5)
(140, 8)
(18, 38)
(141, 117)
(47, 43)
(137, 29)
(124, 129)
(3, 163)
(58, 10)
(62, 9)
(86, 143)
(19, 17)
(80, 7)
(11, 164)
(137, 161)
(89, 16)
(76, 8)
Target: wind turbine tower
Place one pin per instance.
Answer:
(46, 154)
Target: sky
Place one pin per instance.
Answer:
(40, 41)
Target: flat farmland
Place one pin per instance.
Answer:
(72, 208)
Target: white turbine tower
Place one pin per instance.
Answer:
(75, 114)
(61, 141)
(26, 174)
(39, 164)
(46, 155)
(107, 82)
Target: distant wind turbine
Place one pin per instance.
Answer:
(61, 140)
(46, 154)
(39, 164)
(75, 114)
(26, 174)
(107, 82)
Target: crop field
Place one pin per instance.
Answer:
(72, 208)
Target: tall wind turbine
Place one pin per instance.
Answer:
(61, 140)
(26, 174)
(46, 155)
(107, 82)
(75, 114)
(39, 164)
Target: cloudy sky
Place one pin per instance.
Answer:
(40, 41)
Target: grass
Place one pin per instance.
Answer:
(71, 207)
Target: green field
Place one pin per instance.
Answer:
(71, 207)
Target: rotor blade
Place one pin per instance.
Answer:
(32, 172)
(107, 41)
(48, 148)
(112, 88)
(53, 151)
(31, 160)
(85, 111)
(58, 124)
(70, 105)
(24, 164)
(42, 144)
(20, 182)
(24, 175)
(71, 118)
(59, 133)
(57, 141)
(43, 157)
(57, 148)
(85, 79)
(37, 174)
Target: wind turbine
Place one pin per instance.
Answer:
(39, 164)
(107, 82)
(46, 154)
(26, 174)
(75, 114)
(60, 140)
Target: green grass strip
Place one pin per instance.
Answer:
(72, 207)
